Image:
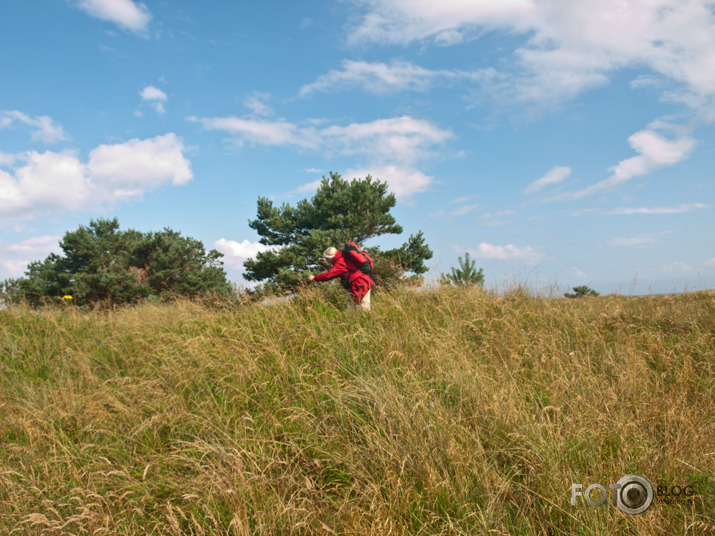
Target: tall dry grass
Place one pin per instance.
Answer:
(440, 412)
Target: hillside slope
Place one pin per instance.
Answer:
(440, 412)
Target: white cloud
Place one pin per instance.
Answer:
(680, 209)
(463, 210)
(446, 22)
(710, 262)
(126, 14)
(569, 47)
(392, 147)
(16, 256)
(631, 242)
(128, 169)
(151, 93)
(262, 131)
(578, 272)
(402, 139)
(380, 78)
(235, 253)
(307, 188)
(38, 244)
(655, 151)
(256, 103)
(646, 81)
(51, 183)
(7, 159)
(554, 176)
(507, 253)
(498, 214)
(679, 268)
(403, 181)
(43, 127)
(47, 182)
(13, 268)
(155, 97)
(495, 223)
(494, 219)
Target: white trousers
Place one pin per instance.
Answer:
(364, 305)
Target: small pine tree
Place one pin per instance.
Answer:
(581, 291)
(466, 274)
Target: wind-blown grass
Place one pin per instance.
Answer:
(451, 411)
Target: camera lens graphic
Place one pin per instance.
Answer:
(635, 494)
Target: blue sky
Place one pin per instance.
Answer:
(559, 143)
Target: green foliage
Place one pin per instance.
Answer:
(101, 263)
(9, 290)
(341, 211)
(466, 274)
(581, 291)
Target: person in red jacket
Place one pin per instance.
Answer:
(344, 268)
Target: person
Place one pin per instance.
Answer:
(359, 283)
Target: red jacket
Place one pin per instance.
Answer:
(360, 283)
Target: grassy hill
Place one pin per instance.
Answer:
(440, 412)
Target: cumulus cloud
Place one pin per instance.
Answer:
(235, 253)
(404, 181)
(7, 159)
(155, 97)
(392, 147)
(126, 14)
(128, 169)
(51, 183)
(46, 182)
(151, 93)
(17, 255)
(507, 253)
(554, 176)
(43, 128)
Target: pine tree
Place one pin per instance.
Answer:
(581, 292)
(466, 274)
(101, 263)
(341, 211)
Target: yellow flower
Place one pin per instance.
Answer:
(67, 297)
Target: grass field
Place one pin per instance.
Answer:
(440, 412)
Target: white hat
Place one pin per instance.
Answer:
(329, 253)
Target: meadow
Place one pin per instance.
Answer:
(449, 411)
